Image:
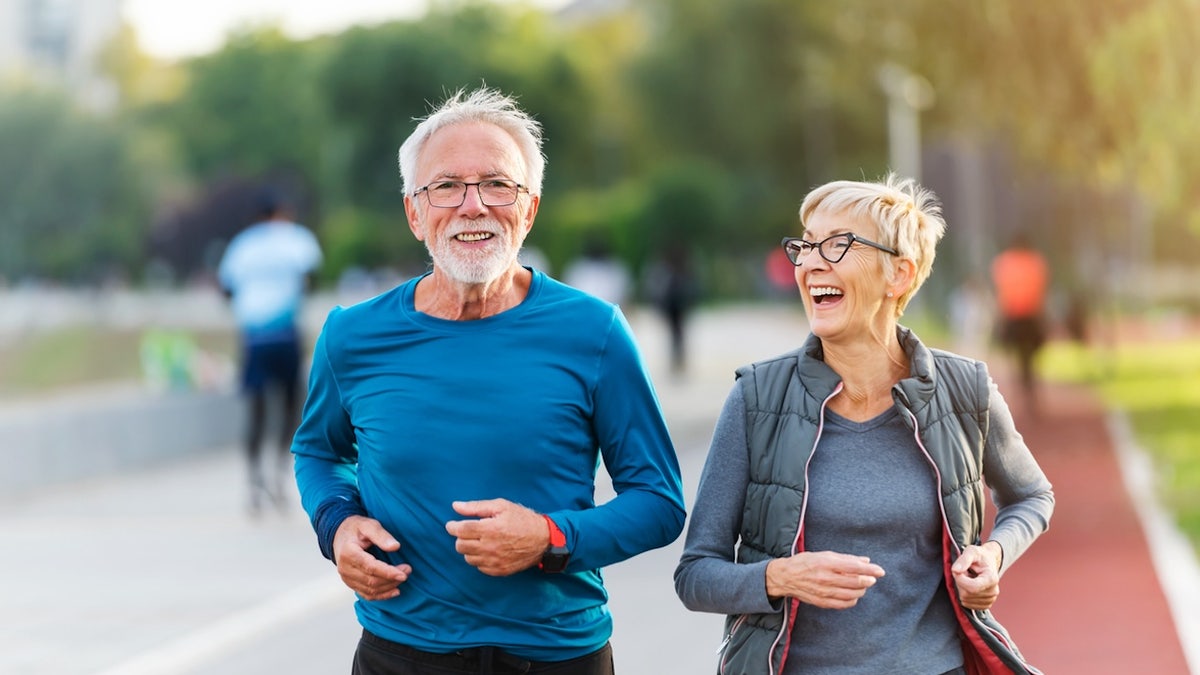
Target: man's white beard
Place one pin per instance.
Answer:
(474, 267)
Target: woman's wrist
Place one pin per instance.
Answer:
(993, 547)
(774, 591)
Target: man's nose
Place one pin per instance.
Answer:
(473, 200)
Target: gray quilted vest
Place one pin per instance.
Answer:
(946, 397)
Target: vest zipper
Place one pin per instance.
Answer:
(733, 628)
(950, 536)
(793, 604)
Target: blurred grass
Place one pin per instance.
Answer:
(44, 362)
(1158, 384)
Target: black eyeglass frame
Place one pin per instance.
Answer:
(851, 238)
(519, 188)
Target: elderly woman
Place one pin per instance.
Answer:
(839, 517)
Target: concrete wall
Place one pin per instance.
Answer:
(96, 432)
(106, 429)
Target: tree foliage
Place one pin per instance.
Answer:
(250, 108)
(1099, 94)
(71, 198)
(1079, 115)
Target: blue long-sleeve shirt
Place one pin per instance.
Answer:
(407, 413)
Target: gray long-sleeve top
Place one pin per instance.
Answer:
(709, 579)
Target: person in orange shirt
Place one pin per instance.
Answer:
(1021, 279)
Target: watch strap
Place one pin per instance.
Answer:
(557, 538)
(556, 556)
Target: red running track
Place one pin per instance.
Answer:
(1085, 599)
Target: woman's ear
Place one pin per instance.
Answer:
(903, 278)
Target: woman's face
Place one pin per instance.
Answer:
(847, 300)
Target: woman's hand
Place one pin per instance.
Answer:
(822, 579)
(977, 575)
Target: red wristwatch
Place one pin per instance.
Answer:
(557, 555)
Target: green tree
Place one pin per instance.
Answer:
(764, 90)
(74, 205)
(141, 80)
(250, 108)
(1098, 97)
(1147, 89)
(247, 115)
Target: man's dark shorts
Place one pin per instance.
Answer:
(1025, 334)
(270, 363)
(377, 656)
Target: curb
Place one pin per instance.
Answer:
(1174, 558)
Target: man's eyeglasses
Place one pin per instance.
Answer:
(832, 248)
(450, 194)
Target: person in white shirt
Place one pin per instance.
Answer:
(265, 272)
(600, 273)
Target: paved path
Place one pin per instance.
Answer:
(160, 572)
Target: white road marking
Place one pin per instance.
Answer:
(237, 629)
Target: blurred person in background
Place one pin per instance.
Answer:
(454, 426)
(839, 515)
(1021, 279)
(672, 286)
(265, 272)
(599, 272)
(972, 316)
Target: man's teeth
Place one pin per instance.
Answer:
(473, 236)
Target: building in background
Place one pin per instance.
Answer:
(58, 41)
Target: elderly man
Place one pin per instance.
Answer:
(454, 426)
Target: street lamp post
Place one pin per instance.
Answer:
(907, 95)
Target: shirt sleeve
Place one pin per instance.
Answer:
(312, 252)
(325, 452)
(708, 578)
(1023, 495)
(648, 511)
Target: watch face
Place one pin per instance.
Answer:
(555, 559)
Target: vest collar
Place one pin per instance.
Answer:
(914, 391)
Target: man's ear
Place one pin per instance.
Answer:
(531, 211)
(414, 218)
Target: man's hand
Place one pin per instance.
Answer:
(822, 579)
(977, 575)
(365, 574)
(505, 539)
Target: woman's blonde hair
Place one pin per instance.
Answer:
(906, 216)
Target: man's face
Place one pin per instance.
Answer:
(472, 243)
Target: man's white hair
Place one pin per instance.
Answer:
(482, 105)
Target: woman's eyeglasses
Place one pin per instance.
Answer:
(831, 248)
